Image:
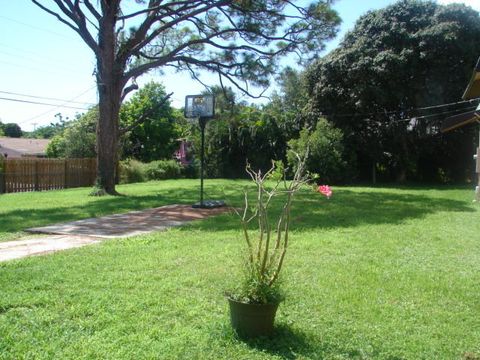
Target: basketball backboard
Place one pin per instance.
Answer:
(199, 106)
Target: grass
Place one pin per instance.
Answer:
(384, 273)
(20, 211)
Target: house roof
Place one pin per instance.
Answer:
(18, 147)
(472, 92)
(456, 121)
(473, 88)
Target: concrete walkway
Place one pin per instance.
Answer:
(42, 245)
(90, 231)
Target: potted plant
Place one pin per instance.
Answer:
(254, 302)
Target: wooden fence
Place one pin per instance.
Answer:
(32, 174)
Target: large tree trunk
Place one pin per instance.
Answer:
(107, 137)
(109, 78)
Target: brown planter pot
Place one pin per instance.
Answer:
(252, 320)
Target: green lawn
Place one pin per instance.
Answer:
(385, 273)
(23, 210)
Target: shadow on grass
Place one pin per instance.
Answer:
(289, 343)
(349, 208)
(20, 219)
(285, 342)
(346, 208)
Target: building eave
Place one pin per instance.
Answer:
(473, 89)
(456, 121)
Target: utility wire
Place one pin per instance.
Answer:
(46, 98)
(460, 111)
(404, 111)
(37, 27)
(29, 60)
(36, 69)
(33, 56)
(451, 104)
(415, 118)
(59, 106)
(42, 103)
(28, 52)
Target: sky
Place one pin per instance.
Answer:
(41, 60)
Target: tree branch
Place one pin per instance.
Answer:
(129, 89)
(92, 9)
(155, 8)
(140, 37)
(80, 27)
(51, 12)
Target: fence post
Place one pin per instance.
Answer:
(2, 175)
(36, 175)
(65, 167)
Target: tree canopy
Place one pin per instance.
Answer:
(77, 139)
(325, 152)
(49, 131)
(410, 55)
(238, 40)
(154, 138)
(12, 130)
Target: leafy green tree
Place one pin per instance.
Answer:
(238, 40)
(245, 134)
(257, 134)
(154, 137)
(12, 130)
(325, 151)
(293, 89)
(409, 55)
(49, 131)
(148, 125)
(78, 138)
(287, 106)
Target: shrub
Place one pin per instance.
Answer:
(163, 169)
(132, 171)
(325, 151)
(135, 171)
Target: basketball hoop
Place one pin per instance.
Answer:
(199, 106)
(202, 107)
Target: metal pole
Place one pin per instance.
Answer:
(477, 168)
(202, 156)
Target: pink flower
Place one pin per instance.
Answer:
(325, 190)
